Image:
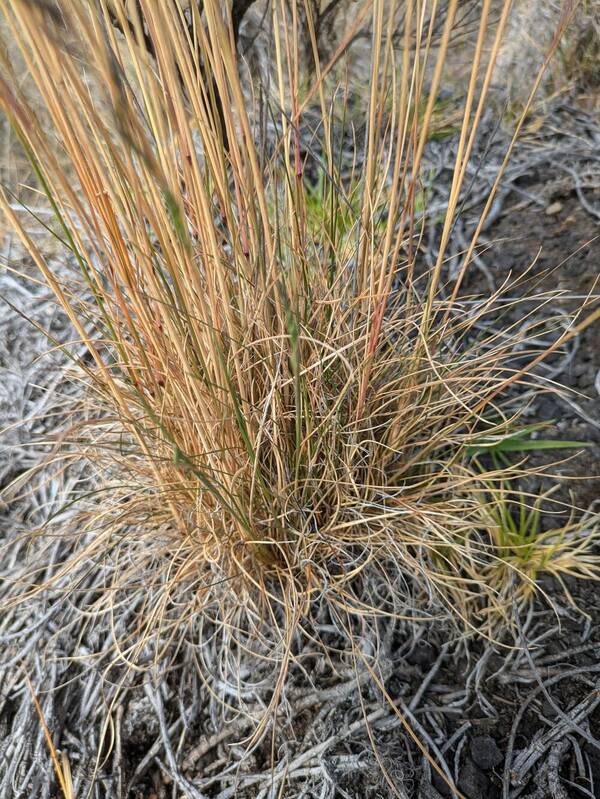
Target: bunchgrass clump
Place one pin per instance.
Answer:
(282, 396)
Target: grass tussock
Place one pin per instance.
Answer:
(283, 393)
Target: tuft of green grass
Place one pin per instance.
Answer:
(524, 551)
(520, 439)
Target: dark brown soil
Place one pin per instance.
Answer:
(564, 248)
(557, 250)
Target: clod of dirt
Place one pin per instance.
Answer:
(484, 752)
(424, 654)
(473, 781)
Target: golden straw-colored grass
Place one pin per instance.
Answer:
(283, 394)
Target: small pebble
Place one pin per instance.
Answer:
(554, 208)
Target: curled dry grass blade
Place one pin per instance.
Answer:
(283, 396)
